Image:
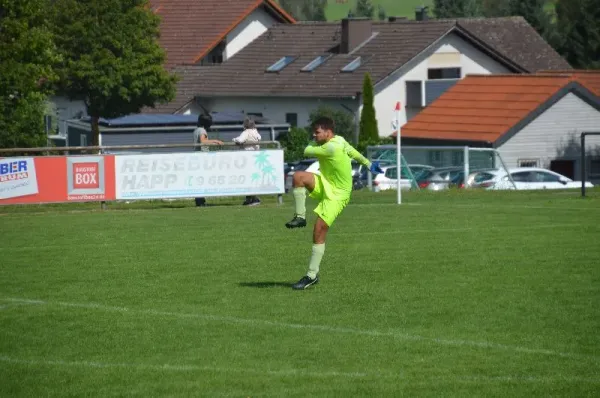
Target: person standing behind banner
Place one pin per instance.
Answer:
(249, 135)
(201, 137)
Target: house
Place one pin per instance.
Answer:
(292, 69)
(532, 120)
(208, 32)
(196, 32)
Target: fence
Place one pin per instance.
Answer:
(109, 173)
(584, 160)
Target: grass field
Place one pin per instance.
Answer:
(400, 8)
(452, 294)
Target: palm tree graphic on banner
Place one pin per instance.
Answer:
(265, 176)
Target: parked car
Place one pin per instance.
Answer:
(531, 178)
(438, 179)
(310, 165)
(389, 179)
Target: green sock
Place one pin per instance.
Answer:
(315, 260)
(300, 201)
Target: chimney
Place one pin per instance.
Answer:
(355, 31)
(421, 13)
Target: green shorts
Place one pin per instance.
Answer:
(328, 209)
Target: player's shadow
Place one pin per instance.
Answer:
(266, 285)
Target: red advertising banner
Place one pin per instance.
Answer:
(52, 179)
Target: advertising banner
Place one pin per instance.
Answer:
(179, 175)
(57, 179)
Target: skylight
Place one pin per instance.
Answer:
(315, 63)
(282, 63)
(352, 66)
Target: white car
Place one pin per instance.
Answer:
(389, 179)
(526, 178)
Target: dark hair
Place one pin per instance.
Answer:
(326, 123)
(205, 120)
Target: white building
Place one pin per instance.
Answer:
(290, 70)
(532, 120)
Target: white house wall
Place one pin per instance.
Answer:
(555, 134)
(249, 29)
(274, 109)
(449, 52)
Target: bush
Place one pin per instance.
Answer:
(294, 143)
(344, 121)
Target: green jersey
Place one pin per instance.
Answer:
(335, 164)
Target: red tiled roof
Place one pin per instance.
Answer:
(590, 78)
(484, 108)
(191, 28)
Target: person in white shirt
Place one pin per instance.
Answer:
(249, 135)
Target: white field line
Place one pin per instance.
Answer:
(287, 236)
(320, 328)
(292, 372)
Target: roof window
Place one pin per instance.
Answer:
(282, 63)
(355, 64)
(315, 63)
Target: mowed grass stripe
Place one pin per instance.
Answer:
(304, 326)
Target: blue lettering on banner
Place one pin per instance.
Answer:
(12, 171)
(13, 167)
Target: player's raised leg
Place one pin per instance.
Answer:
(318, 249)
(303, 181)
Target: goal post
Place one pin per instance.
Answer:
(445, 166)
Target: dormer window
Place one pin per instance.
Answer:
(315, 63)
(282, 63)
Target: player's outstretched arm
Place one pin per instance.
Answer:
(354, 154)
(313, 149)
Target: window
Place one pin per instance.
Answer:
(540, 176)
(355, 64)
(594, 167)
(291, 119)
(435, 158)
(523, 176)
(443, 73)
(315, 63)
(391, 173)
(481, 177)
(414, 94)
(528, 162)
(458, 158)
(282, 63)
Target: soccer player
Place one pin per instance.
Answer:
(332, 189)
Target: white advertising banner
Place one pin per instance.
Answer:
(17, 177)
(199, 174)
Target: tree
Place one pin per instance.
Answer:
(26, 57)
(294, 143)
(364, 8)
(344, 122)
(368, 132)
(111, 58)
(456, 8)
(305, 10)
(579, 32)
(533, 11)
(381, 13)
